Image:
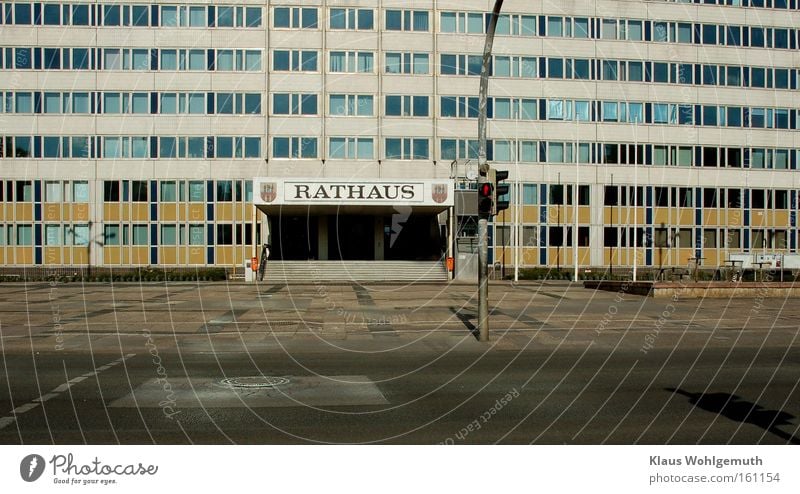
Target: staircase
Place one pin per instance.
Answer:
(355, 271)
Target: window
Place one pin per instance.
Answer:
(111, 235)
(80, 191)
(407, 106)
(360, 19)
(294, 147)
(351, 105)
(407, 20)
(295, 17)
(294, 60)
(294, 104)
(169, 235)
(351, 148)
(407, 149)
(351, 62)
(197, 191)
(24, 233)
(407, 63)
(168, 192)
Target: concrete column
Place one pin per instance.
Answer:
(379, 254)
(322, 247)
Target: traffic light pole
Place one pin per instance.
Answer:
(483, 168)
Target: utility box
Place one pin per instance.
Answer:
(250, 271)
(466, 262)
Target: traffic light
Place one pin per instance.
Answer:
(485, 198)
(500, 190)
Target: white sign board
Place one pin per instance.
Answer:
(311, 192)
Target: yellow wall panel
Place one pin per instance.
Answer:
(584, 215)
(240, 252)
(140, 212)
(111, 212)
(556, 256)
(23, 255)
(52, 256)
(223, 212)
(197, 212)
(224, 256)
(530, 214)
(24, 212)
(168, 212)
(2, 255)
(780, 218)
(530, 256)
(80, 255)
(168, 255)
(80, 212)
(140, 255)
(661, 216)
(734, 218)
(712, 258)
(584, 256)
(52, 212)
(683, 256)
(112, 255)
(711, 217)
(686, 216)
(758, 218)
(197, 256)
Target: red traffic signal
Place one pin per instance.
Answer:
(485, 199)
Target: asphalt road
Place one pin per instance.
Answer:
(146, 364)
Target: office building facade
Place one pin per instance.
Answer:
(170, 134)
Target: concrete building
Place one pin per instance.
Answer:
(186, 134)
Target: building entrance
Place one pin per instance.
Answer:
(357, 238)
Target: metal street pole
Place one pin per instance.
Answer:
(483, 167)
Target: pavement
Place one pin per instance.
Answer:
(176, 363)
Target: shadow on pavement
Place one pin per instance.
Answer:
(735, 408)
(465, 319)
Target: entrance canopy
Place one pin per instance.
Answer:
(315, 196)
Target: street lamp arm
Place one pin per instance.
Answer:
(484, 87)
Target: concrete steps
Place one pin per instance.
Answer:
(355, 271)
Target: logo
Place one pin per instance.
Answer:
(269, 191)
(439, 193)
(31, 468)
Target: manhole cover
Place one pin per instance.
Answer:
(255, 382)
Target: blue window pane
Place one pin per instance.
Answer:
(22, 13)
(111, 15)
(281, 104)
(394, 20)
(252, 147)
(281, 17)
(394, 149)
(449, 65)
(52, 14)
(253, 16)
(80, 15)
(365, 19)
(309, 18)
(280, 60)
(23, 58)
(224, 147)
(280, 147)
